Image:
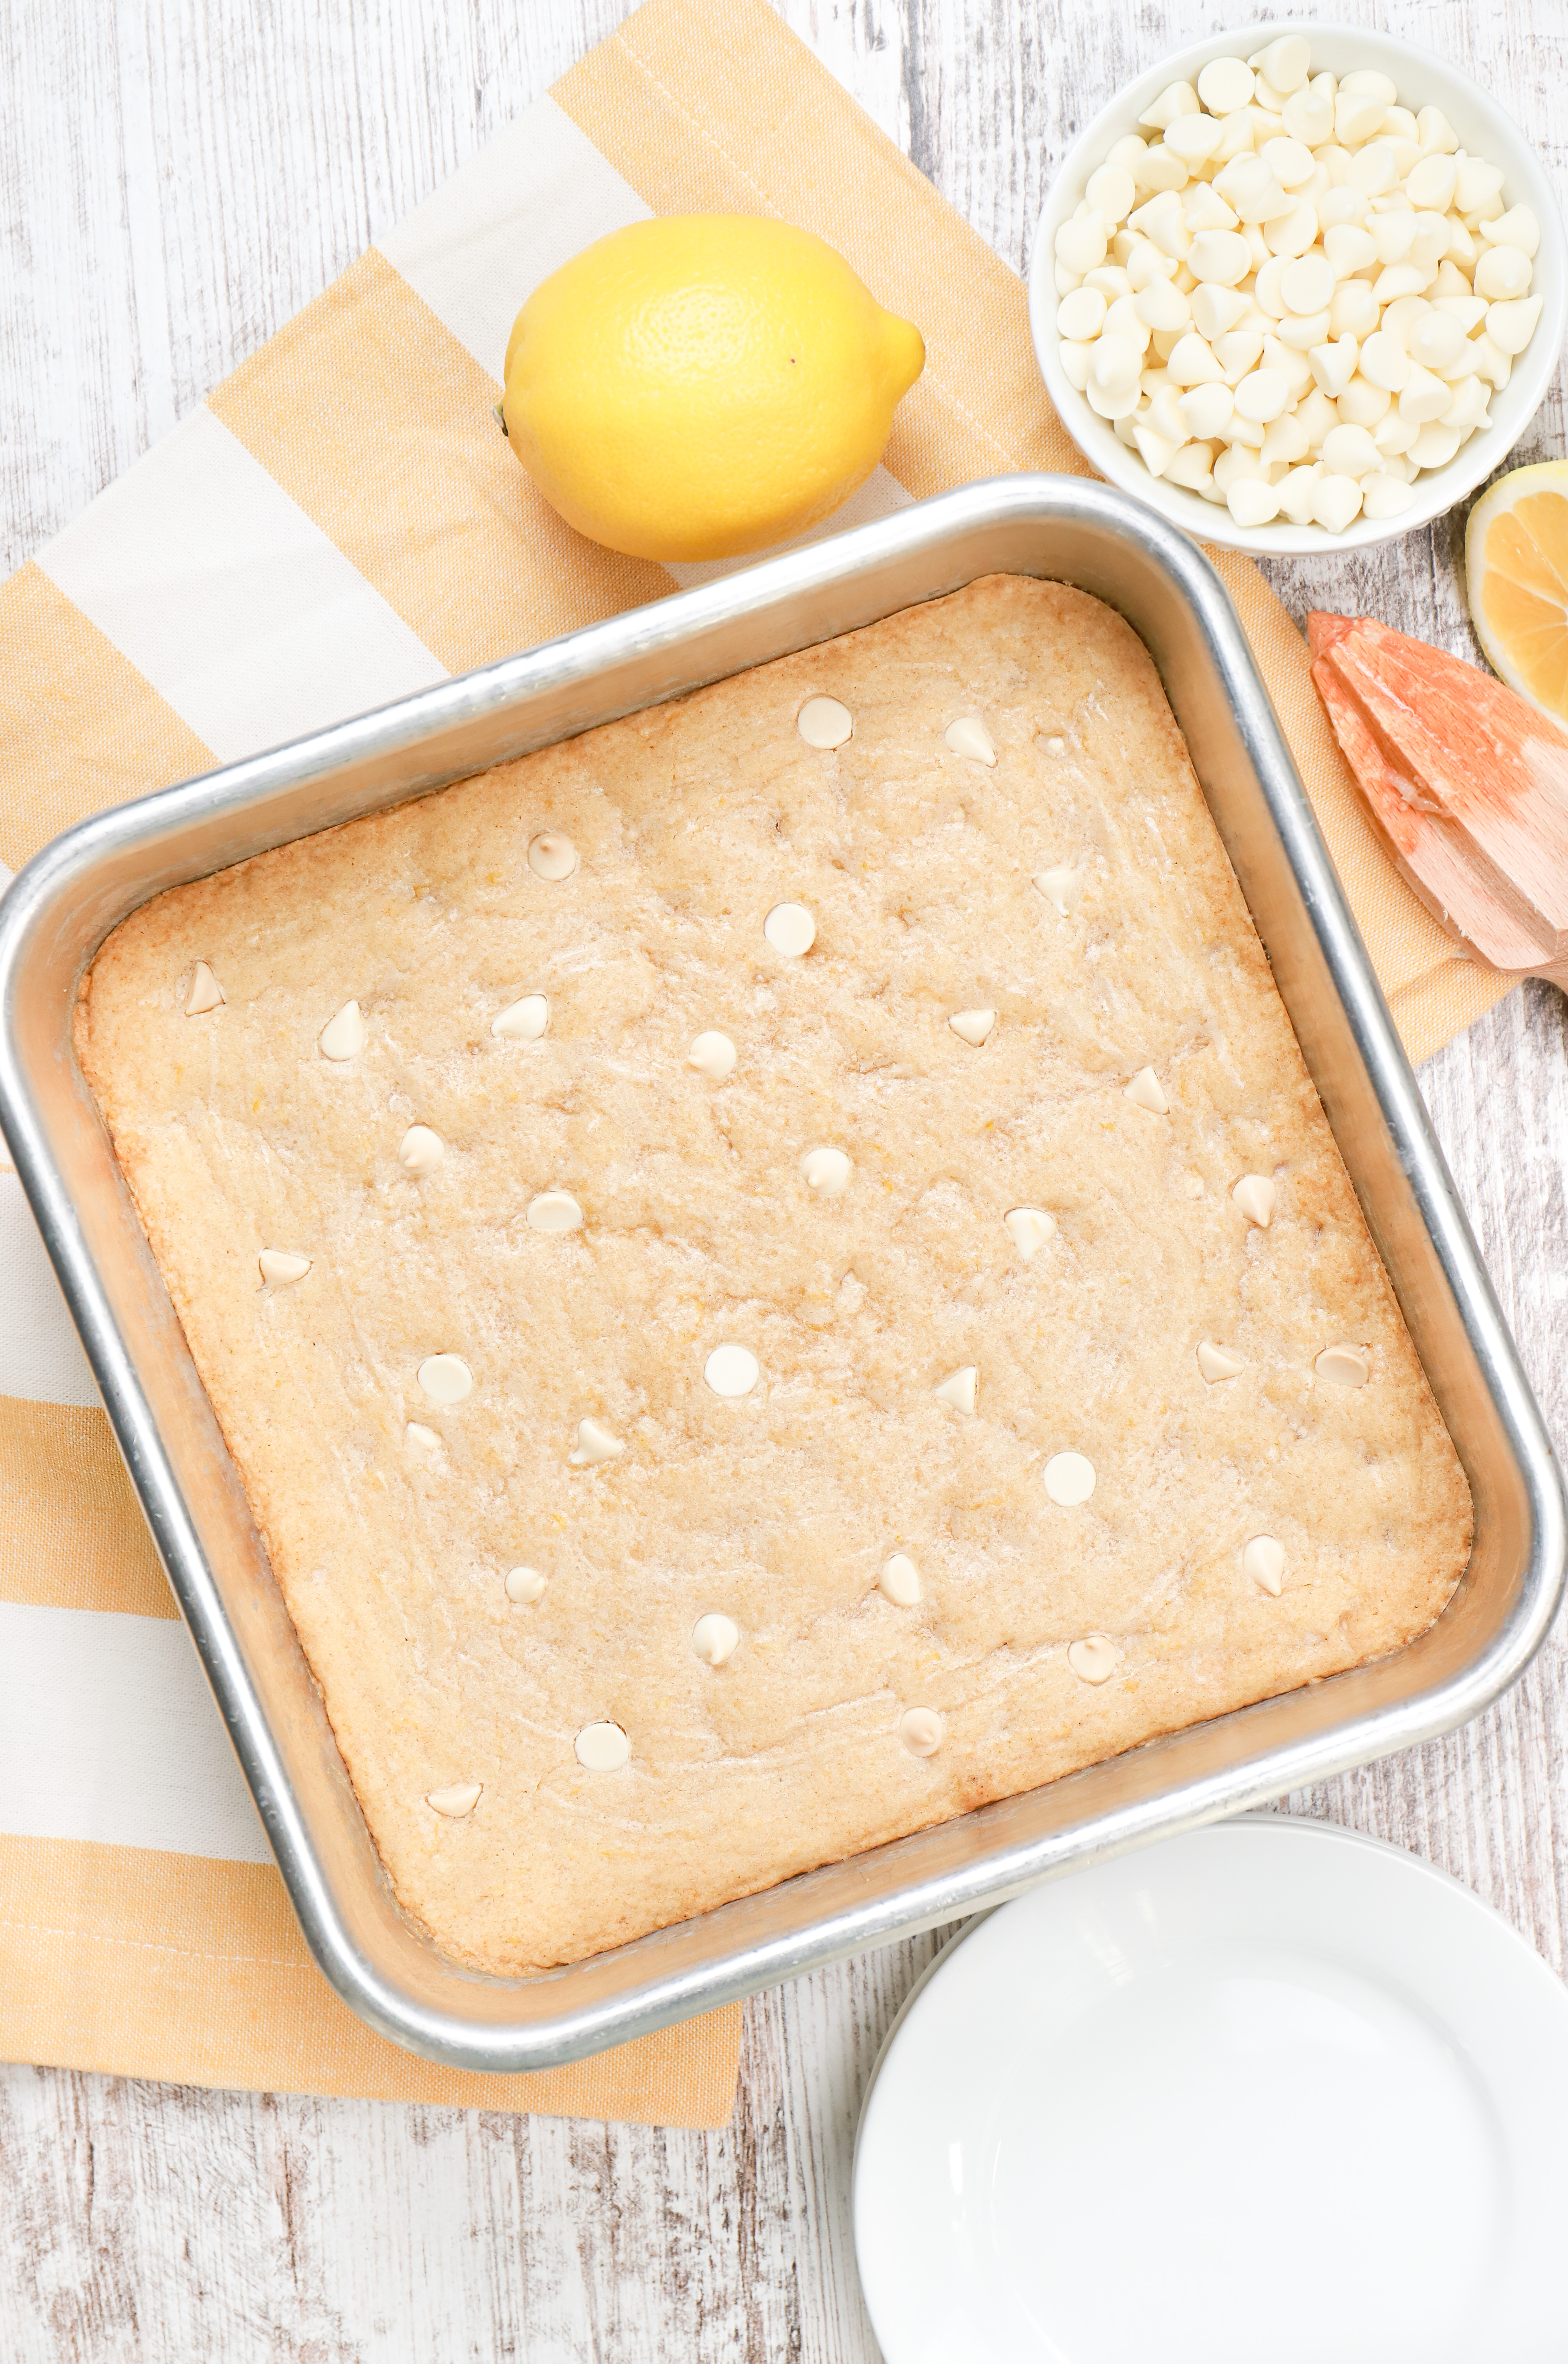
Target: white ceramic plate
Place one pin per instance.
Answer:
(1268, 2094)
(1424, 79)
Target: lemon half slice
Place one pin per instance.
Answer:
(1515, 569)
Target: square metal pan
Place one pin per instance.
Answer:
(67, 901)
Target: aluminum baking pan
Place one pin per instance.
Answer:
(79, 888)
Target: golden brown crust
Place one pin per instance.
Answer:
(692, 821)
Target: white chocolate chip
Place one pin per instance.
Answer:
(602, 1747)
(968, 736)
(714, 1638)
(959, 1388)
(1095, 1659)
(460, 1799)
(1355, 311)
(1511, 326)
(280, 1265)
(1394, 235)
(1075, 360)
(1467, 407)
(1115, 363)
(1254, 1194)
(525, 1586)
(1247, 184)
(1218, 258)
(446, 1378)
(1029, 1228)
(713, 1055)
(1252, 503)
(1344, 1367)
(1285, 63)
(1518, 228)
(1146, 1091)
(1055, 747)
(823, 723)
(1384, 496)
(972, 1026)
(1306, 283)
(1080, 245)
(791, 929)
(205, 993)
(825, 1171)
(343, 1037)
(1297, 490)
(922, 1731)
(1224, 84)
(554, 1211)
(1078, 315)
(1502, 274)
(1217, 309)
(1350, 452)
(421, 1440)
(1112, 190)
(1194, 138)
(899, 1581)
(1437, 341)
(1061, 888)
(1069, 1479)
(1431, 185)
(1435, 445)
(552, 855)
(1436, 134)
(1162, 307)
(1219, 1363)
(1491, 362)
(1262, 395)
(420, 1151)
(525, 1021)
(1260, 203)
(1176, 98)
(731, 1371)
(1477, 184)
(1335, 502)
(1161, 170)
(1264, 1561)
(595, 1443)
(1237, 355)
(1385, 362)
(1357, 120)
(1333, 365)
(1365, 81)
(1308, 113)
(1400, 280)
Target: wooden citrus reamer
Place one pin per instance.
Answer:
(1467, 785)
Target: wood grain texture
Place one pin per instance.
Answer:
(177, 178)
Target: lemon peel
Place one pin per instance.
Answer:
(704, 385)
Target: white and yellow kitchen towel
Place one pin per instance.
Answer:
(339, 523)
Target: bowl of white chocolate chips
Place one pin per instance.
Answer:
(1299, 288)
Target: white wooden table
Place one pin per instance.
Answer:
(177, 177)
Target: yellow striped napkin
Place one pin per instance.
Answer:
(340, 523)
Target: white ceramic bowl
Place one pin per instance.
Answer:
(1484, 131)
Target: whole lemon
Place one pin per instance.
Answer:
(704, 385)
